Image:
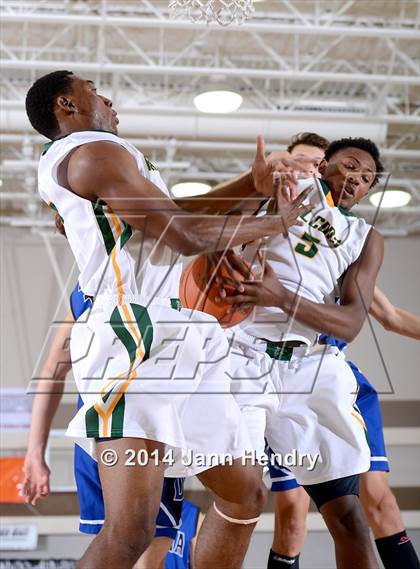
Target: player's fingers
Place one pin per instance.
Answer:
(239, 265)
(207, 268)
(25, 486)
(235, 280)
(260, 154)
(36, 496)
(261, 260)
(30, 491)
(292, 179)
(215, 274)
(291, 167)
(268, 269)
(221, 287)
(238, 299)
(302, 196)
(227, 281)
(293, 191)
(305, 209)
(277, 193)
(285, 192)
(239, 307)
(44, 490)
(301, 165)
(276, 182)
(284, 227)
(45, 487)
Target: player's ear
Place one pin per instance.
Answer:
(65, 103)
(322, 166)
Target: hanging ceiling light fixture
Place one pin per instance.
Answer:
(186, 189)
(390, 198)
(215, 101)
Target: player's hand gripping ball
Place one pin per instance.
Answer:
(206, 278)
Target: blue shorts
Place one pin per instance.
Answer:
(91, 502)
(368, 404)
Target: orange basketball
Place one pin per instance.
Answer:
(196, 294)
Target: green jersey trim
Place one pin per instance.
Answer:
(48, 145)
(324, 187)
(346, 212)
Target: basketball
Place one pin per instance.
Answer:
(197, 294)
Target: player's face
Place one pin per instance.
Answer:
(349, 174)
(314, 154)
(94, 108)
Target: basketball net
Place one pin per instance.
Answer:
(224, 12)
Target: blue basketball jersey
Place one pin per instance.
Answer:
(178, 556)
(79, 302)
(340, 344)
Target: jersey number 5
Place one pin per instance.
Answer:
(309, 249)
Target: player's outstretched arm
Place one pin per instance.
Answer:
(47, 398)
(393, 318)
(244, 192)
(106, 171)
(342, 321)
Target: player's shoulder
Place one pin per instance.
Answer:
(97, 159)
(372, 250)
(374, 239)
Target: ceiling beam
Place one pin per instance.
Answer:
(199, 145)
(277, 28)
(244, 113)
(194, 70)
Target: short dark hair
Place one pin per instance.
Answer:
(309, 138)
(362, 143)
(40, 101)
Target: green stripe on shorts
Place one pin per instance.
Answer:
(123, 334)
(117, 424)
(145, 328)
(92, 423)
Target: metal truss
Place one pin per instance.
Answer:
(337, 67)
(177, 160)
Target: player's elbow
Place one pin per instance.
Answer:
(349, 334)
(350, 330)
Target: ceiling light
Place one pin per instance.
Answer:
(186, 189)
(391, 198)
(218, 101)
